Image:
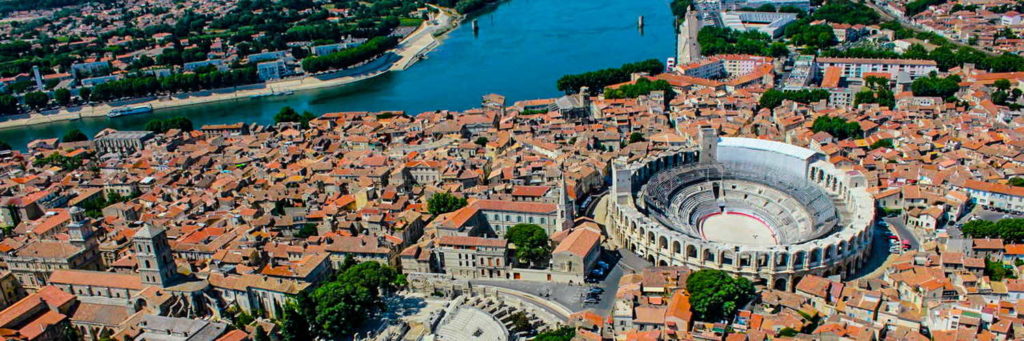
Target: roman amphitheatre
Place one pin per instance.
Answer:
(765, 210)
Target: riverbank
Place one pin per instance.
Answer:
(409, 51)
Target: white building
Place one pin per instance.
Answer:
(271, 70)
(996, 196)
(771, 23)
(854, 68)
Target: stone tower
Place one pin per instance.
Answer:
(80, 232)
(708, 145)
(688, 49)
(153, 253)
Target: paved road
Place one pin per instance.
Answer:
(886, 16)
(589, 210)
(570, 296)
(903, 231)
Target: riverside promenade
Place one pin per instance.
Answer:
(410, 50)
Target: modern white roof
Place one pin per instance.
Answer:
(766, 145)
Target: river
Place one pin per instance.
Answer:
(521, 49)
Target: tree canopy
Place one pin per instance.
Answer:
(163, 125)
(351, 56)
(716, 40)
(74, 135)
(340, 306)
(441, 203)
(288, 114)
(1010, 230)
(715, 295)
(532, 244)
(838, 127)
(598, 80)
(773, 98)
(560, 334)
(877, 91)
(935, 86)
(642, 86)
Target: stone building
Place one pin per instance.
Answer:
(122, 142)
(473, 257)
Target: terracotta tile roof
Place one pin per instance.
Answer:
(96, 279)
(471, 241)
(579, 242)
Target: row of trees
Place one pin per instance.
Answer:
(917, 6)
(838, 127)
(643, 86)
(877, 90)
(934, 86)
(720, 40)
(350, 56)
(947, 55)
(1010, 230)
(149, 85)
(339, 307)
(441, 203)
(597, 80)
(1003, 94)
(846, 12)
(288, 114)
(773, 98)
(163, 125)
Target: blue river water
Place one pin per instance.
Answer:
(522, 47)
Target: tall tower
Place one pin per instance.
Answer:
(38, 78)
(156, 266)
(708, 145)
(688, 49)
(79, 230)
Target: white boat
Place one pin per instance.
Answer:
(125, 111)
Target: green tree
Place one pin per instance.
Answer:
(9, 105)
(532, 244)
(62, 96)
(36, 100)
(773, 98)
(85, 94)
(936, 86)
(641, 87)
(288, 114)
(598, 80)
(520, 322)
(481, 141)
(307, 230)
(350, 56)
(343, 304)
(838, 127)
(1017, 181)
(636, 137)
(996, 270)
(1002, 84)
(260, 335)
(714, 295)
(74, 135)
(560, 334)
(298, 312)
(163, 125)
(883, 143)
(441, 203)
